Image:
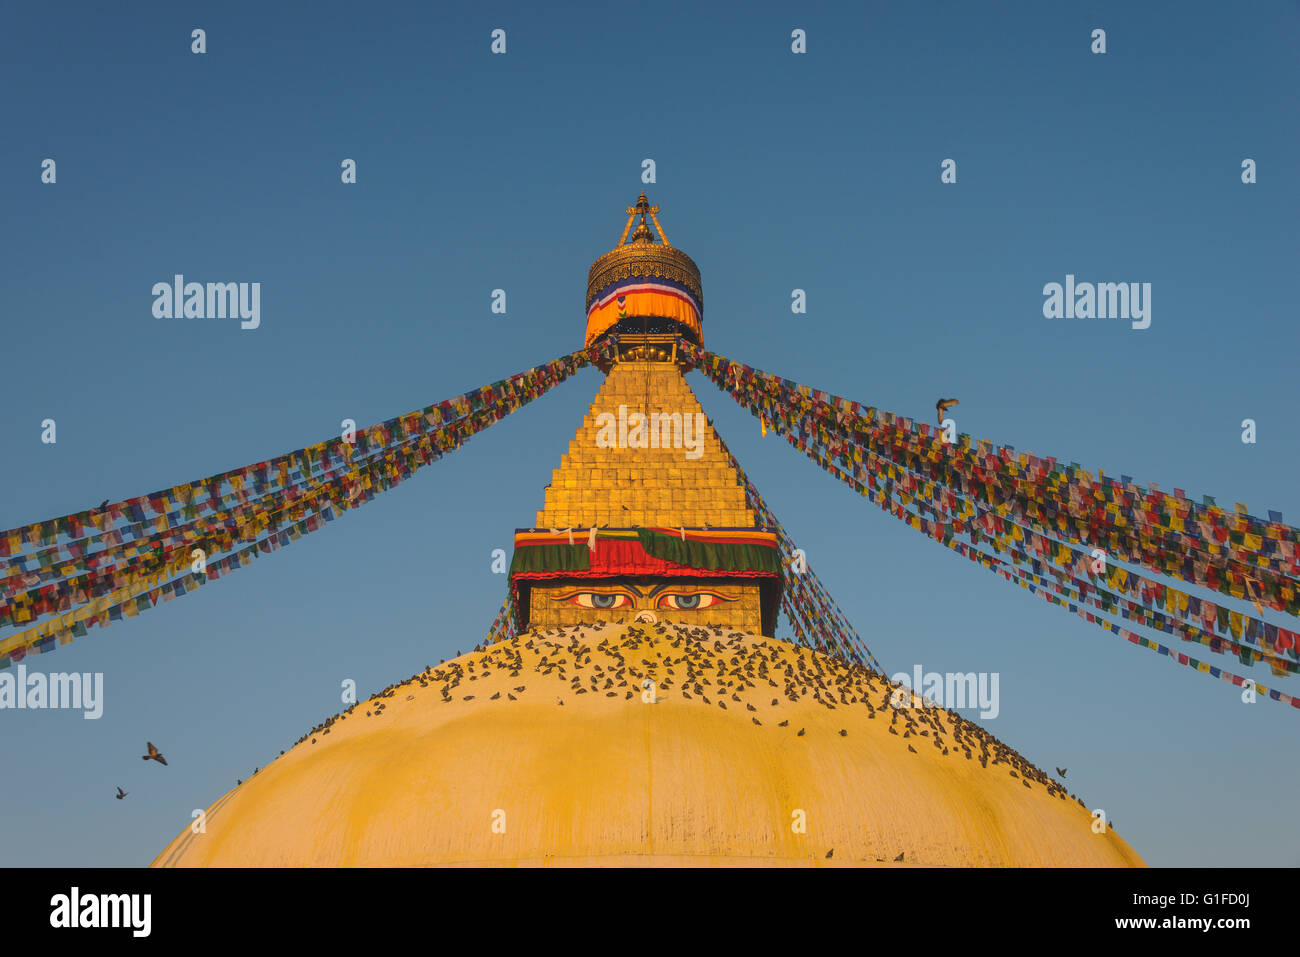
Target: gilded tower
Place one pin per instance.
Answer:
(645, 517)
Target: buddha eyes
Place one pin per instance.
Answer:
(670, 601)
(595, 599)
(683, 602)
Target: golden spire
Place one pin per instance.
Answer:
(643, 234)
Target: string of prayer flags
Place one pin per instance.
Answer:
(89, 590)
(1018, 504)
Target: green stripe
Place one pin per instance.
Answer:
(551, 558)
(710, 555)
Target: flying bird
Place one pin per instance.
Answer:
(942, 406)
(154, 754)
(121, 794)
(1061, 771)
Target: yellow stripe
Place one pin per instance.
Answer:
(635, 304)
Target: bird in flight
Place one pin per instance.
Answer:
(942, 406)
(154, 754)
(121, 794)
(1061, 771)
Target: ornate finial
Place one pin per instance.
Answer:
(643, 234)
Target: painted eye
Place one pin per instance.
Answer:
(692, 602)
(593, 599)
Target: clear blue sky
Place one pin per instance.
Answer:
(775, 171)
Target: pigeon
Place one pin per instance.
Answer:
(1061, 771)
(121, 794)
(900, 855)
(103, 505)
(800, 734)
(942, 406)
(830, 853)
(155, 754)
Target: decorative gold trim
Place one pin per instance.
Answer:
(644, 259)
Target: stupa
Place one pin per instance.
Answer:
(646, 714)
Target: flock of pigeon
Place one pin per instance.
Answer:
(707, 666)
(713, 672)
